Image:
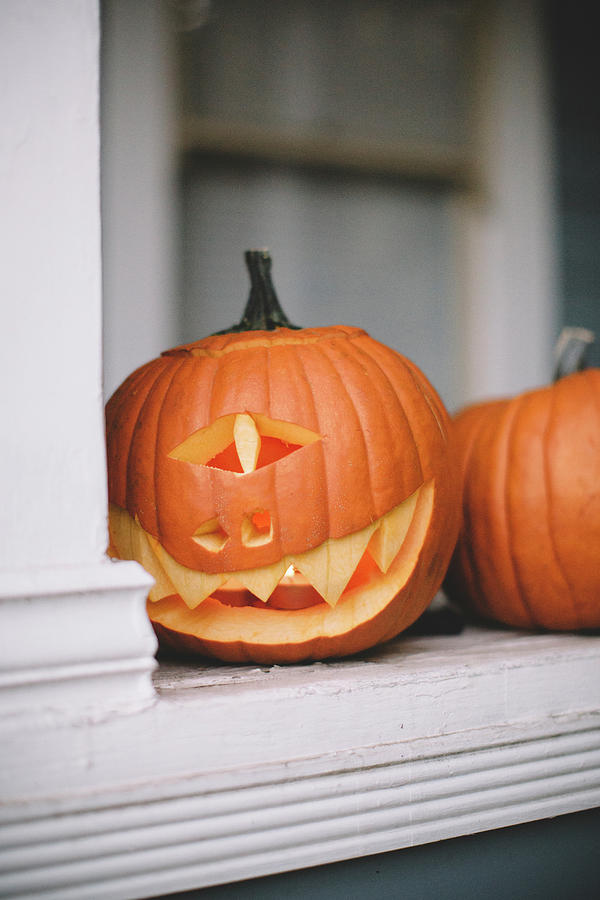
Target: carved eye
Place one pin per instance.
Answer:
(243, 442)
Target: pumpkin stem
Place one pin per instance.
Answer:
(570, 351)
(263, 311)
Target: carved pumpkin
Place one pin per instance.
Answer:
(290, 490)
(528, 553)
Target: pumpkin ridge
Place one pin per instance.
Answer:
(294, 401)
(275, 512)
(384, 372)
(161, 412)
(118, 410)
(120, 399)
(432, 399)
(157, 384)
(298, 358)
(495, 574)
(268, 380)
(591, 377)
(507, 432)
(215, 411)
(211, 390)
(379, 348)
(375, 365)
(548, 485)
(327, 352)
(517, 407)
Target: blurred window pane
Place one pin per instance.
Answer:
(393, 70)
(348, 247)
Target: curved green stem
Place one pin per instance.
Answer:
(570, 351)
(263, 311)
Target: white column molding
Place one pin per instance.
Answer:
(75, 637)
(73, 629)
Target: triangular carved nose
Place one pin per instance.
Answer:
(211, 536)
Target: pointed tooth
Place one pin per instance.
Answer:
(119, 529)
(262, 582)
(393, 528)
(142, 548)
(131, 542)
(247, 441)
(193, 587)
(330, 566)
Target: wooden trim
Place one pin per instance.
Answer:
(237, 772)
(237, 140)
(74, 638)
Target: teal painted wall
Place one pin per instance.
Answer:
(575, 75)
(554, 859)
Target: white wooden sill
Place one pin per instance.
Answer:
(229, 773)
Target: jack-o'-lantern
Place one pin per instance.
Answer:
(291, 491)
(528, 553)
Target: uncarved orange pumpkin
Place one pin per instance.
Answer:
(528, 553)
(290, 490)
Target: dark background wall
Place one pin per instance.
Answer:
(575, 74)
(555, 859)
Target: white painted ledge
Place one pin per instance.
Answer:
(238, 772)
(74, 637)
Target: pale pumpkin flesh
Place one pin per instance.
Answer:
(358, 577)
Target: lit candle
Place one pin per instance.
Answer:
(233, 593)
(294, 591)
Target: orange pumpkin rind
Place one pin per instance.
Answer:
(527, 555)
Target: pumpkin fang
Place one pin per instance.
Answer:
(247, 633)
(329, 567)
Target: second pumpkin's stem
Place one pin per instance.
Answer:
(570, 350)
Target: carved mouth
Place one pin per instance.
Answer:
(325, 573)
